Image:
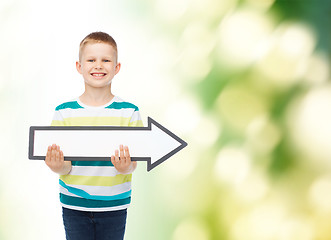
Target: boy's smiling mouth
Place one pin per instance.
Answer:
(98, 75)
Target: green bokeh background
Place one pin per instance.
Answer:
(245, 82)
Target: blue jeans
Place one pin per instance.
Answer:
(81, 225)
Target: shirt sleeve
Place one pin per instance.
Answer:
(135, 120)
(57, 119)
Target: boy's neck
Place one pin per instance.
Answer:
(96, 97)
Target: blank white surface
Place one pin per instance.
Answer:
(102, 143)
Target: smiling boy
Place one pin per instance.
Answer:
(95, 195)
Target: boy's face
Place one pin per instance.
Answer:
(98, 65)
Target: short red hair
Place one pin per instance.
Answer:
(97, 37)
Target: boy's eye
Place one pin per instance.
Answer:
(106, 60)
(90, 60)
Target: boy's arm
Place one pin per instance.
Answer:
(54, 156)
(122, 161)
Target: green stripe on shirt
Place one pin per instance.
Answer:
(120, 105)
(89, 203)
(72, 105)
(92, 163)
(96, 180)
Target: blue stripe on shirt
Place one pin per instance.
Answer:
(83, 194)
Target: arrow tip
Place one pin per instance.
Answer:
(166, 143)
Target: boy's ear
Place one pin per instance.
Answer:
(117, 68)
(78, 67)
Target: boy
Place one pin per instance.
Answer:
(95, 194)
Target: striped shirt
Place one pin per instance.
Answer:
(96, 185)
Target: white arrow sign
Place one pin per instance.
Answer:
(153, 144)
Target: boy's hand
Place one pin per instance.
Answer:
(55, 160)
(122, 161)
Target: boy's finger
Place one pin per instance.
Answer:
(112, 159)
(48, 154)
(61, 156)
(122, 153)
(134, 164)
(127, 154)
(116, 156)
(53, 155)
(57, 156)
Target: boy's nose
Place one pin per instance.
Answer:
(98, 64)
